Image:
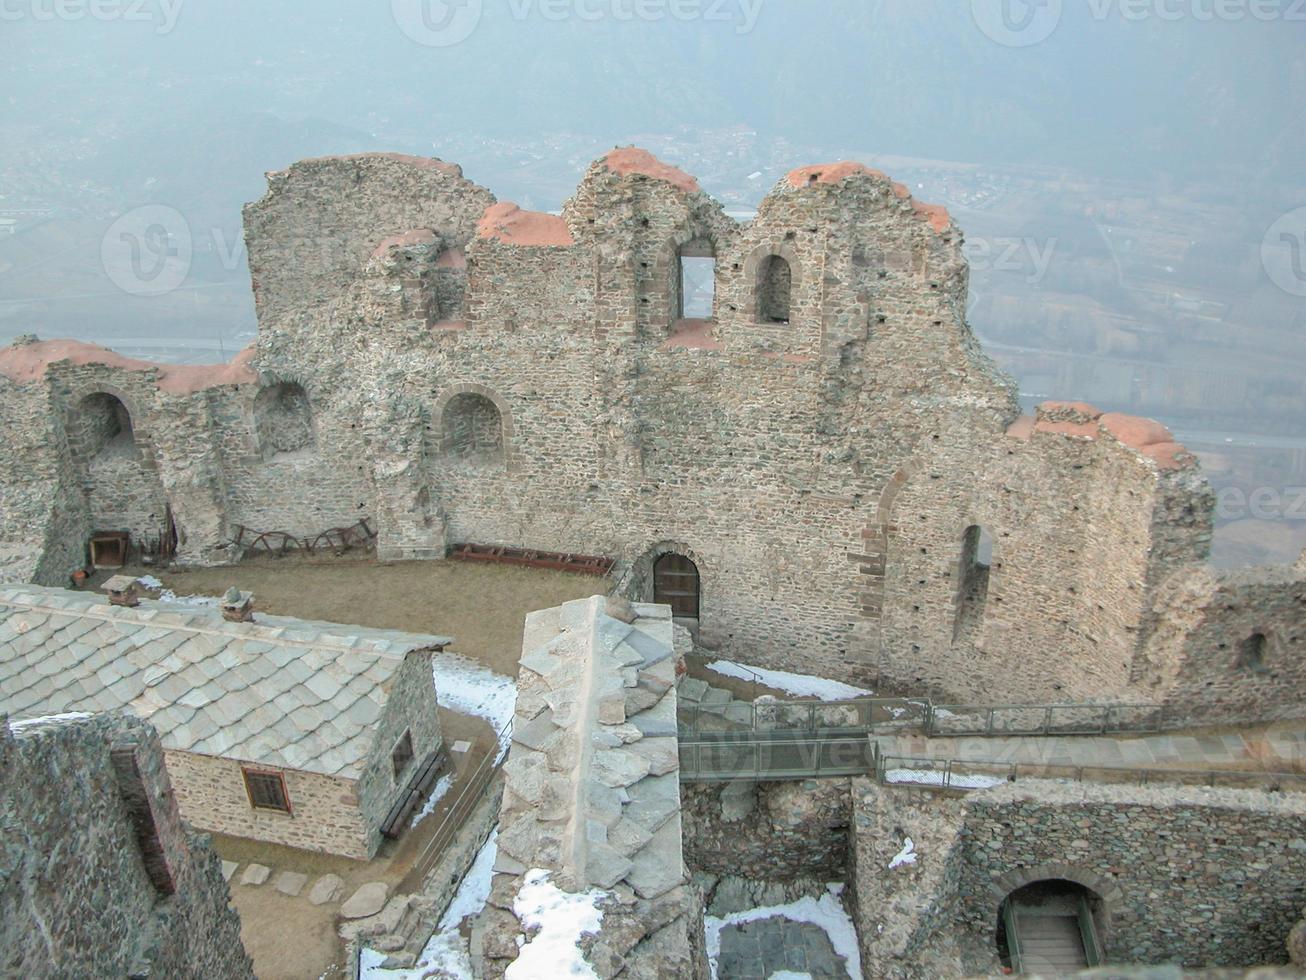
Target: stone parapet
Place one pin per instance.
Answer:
(592, 792)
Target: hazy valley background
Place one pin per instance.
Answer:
(1116, 182)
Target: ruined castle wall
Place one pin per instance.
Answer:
(77, 896)
(325, 814)
(1144, 853)
(768, 831)
(1203, 660)
(312, 233)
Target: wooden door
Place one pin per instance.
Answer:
(675, 583)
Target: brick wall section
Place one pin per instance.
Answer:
(821, 472)
(69, 847)
(1200, 877)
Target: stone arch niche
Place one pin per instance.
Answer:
(474, 427)
(1058, 913)
(774, 282)
(283, 421)
(118, 475)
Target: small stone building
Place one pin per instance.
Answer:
(98, 875)
(298, 733)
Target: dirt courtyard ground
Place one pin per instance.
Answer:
(483, 607)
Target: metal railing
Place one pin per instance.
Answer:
(759, 757)
(891, 715)
(469, 797)
(959, 774)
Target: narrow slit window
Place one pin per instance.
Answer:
(402, 755)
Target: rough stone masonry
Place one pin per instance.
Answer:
(848, 472)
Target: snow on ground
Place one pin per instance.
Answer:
(827, 912)
(167, 595)
(465, 686)
(437, 793)
(149, 581)
(906, 856)
(562, 918)
(934, 777)
(799, 685)
(447, 952)
(18, 726)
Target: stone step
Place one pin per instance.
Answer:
(739, 713)
(717, 695)
(691, 689)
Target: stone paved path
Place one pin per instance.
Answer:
(755, 950)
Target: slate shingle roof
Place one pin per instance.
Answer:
(280, 692)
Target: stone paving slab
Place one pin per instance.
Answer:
(756, 950)
(228, 869)
(290, 883)
(326, 889)
(255, 874)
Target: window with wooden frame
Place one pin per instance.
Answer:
(402, 754)
(266, 790)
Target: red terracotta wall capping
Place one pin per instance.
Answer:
(633, 160)
(834, 173)
(533, 229)
(1147, 436)
(28, 362)
(405, 239)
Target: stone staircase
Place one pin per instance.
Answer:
(711, 709)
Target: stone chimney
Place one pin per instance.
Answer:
(122, 591)
(237, 606)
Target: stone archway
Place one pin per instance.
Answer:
(641, 583)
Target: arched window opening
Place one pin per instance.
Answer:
(1050, 928)
(1251, 654)
(696, 280)
(471, 429)
(675, 583)
(972, 581)
(773, 284)
(103, 427)
(283, 420)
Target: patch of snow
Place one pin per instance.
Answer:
(799, 685)
(447, 953)
(167, 595)
(934, 777)
(828, 913)
(561, 918)
(789, 975)
(906, 856)
(465, 686)
(437, 793)
(150, 582)
(18, 726)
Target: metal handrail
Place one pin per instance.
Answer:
(466, 801)
(947, 768)
(937, 719)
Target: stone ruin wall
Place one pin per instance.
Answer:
(821, 473)
(1185, 875)
(70, 846)
(592, 792)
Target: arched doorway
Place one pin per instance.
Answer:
(1049, 927)
(675, 583)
